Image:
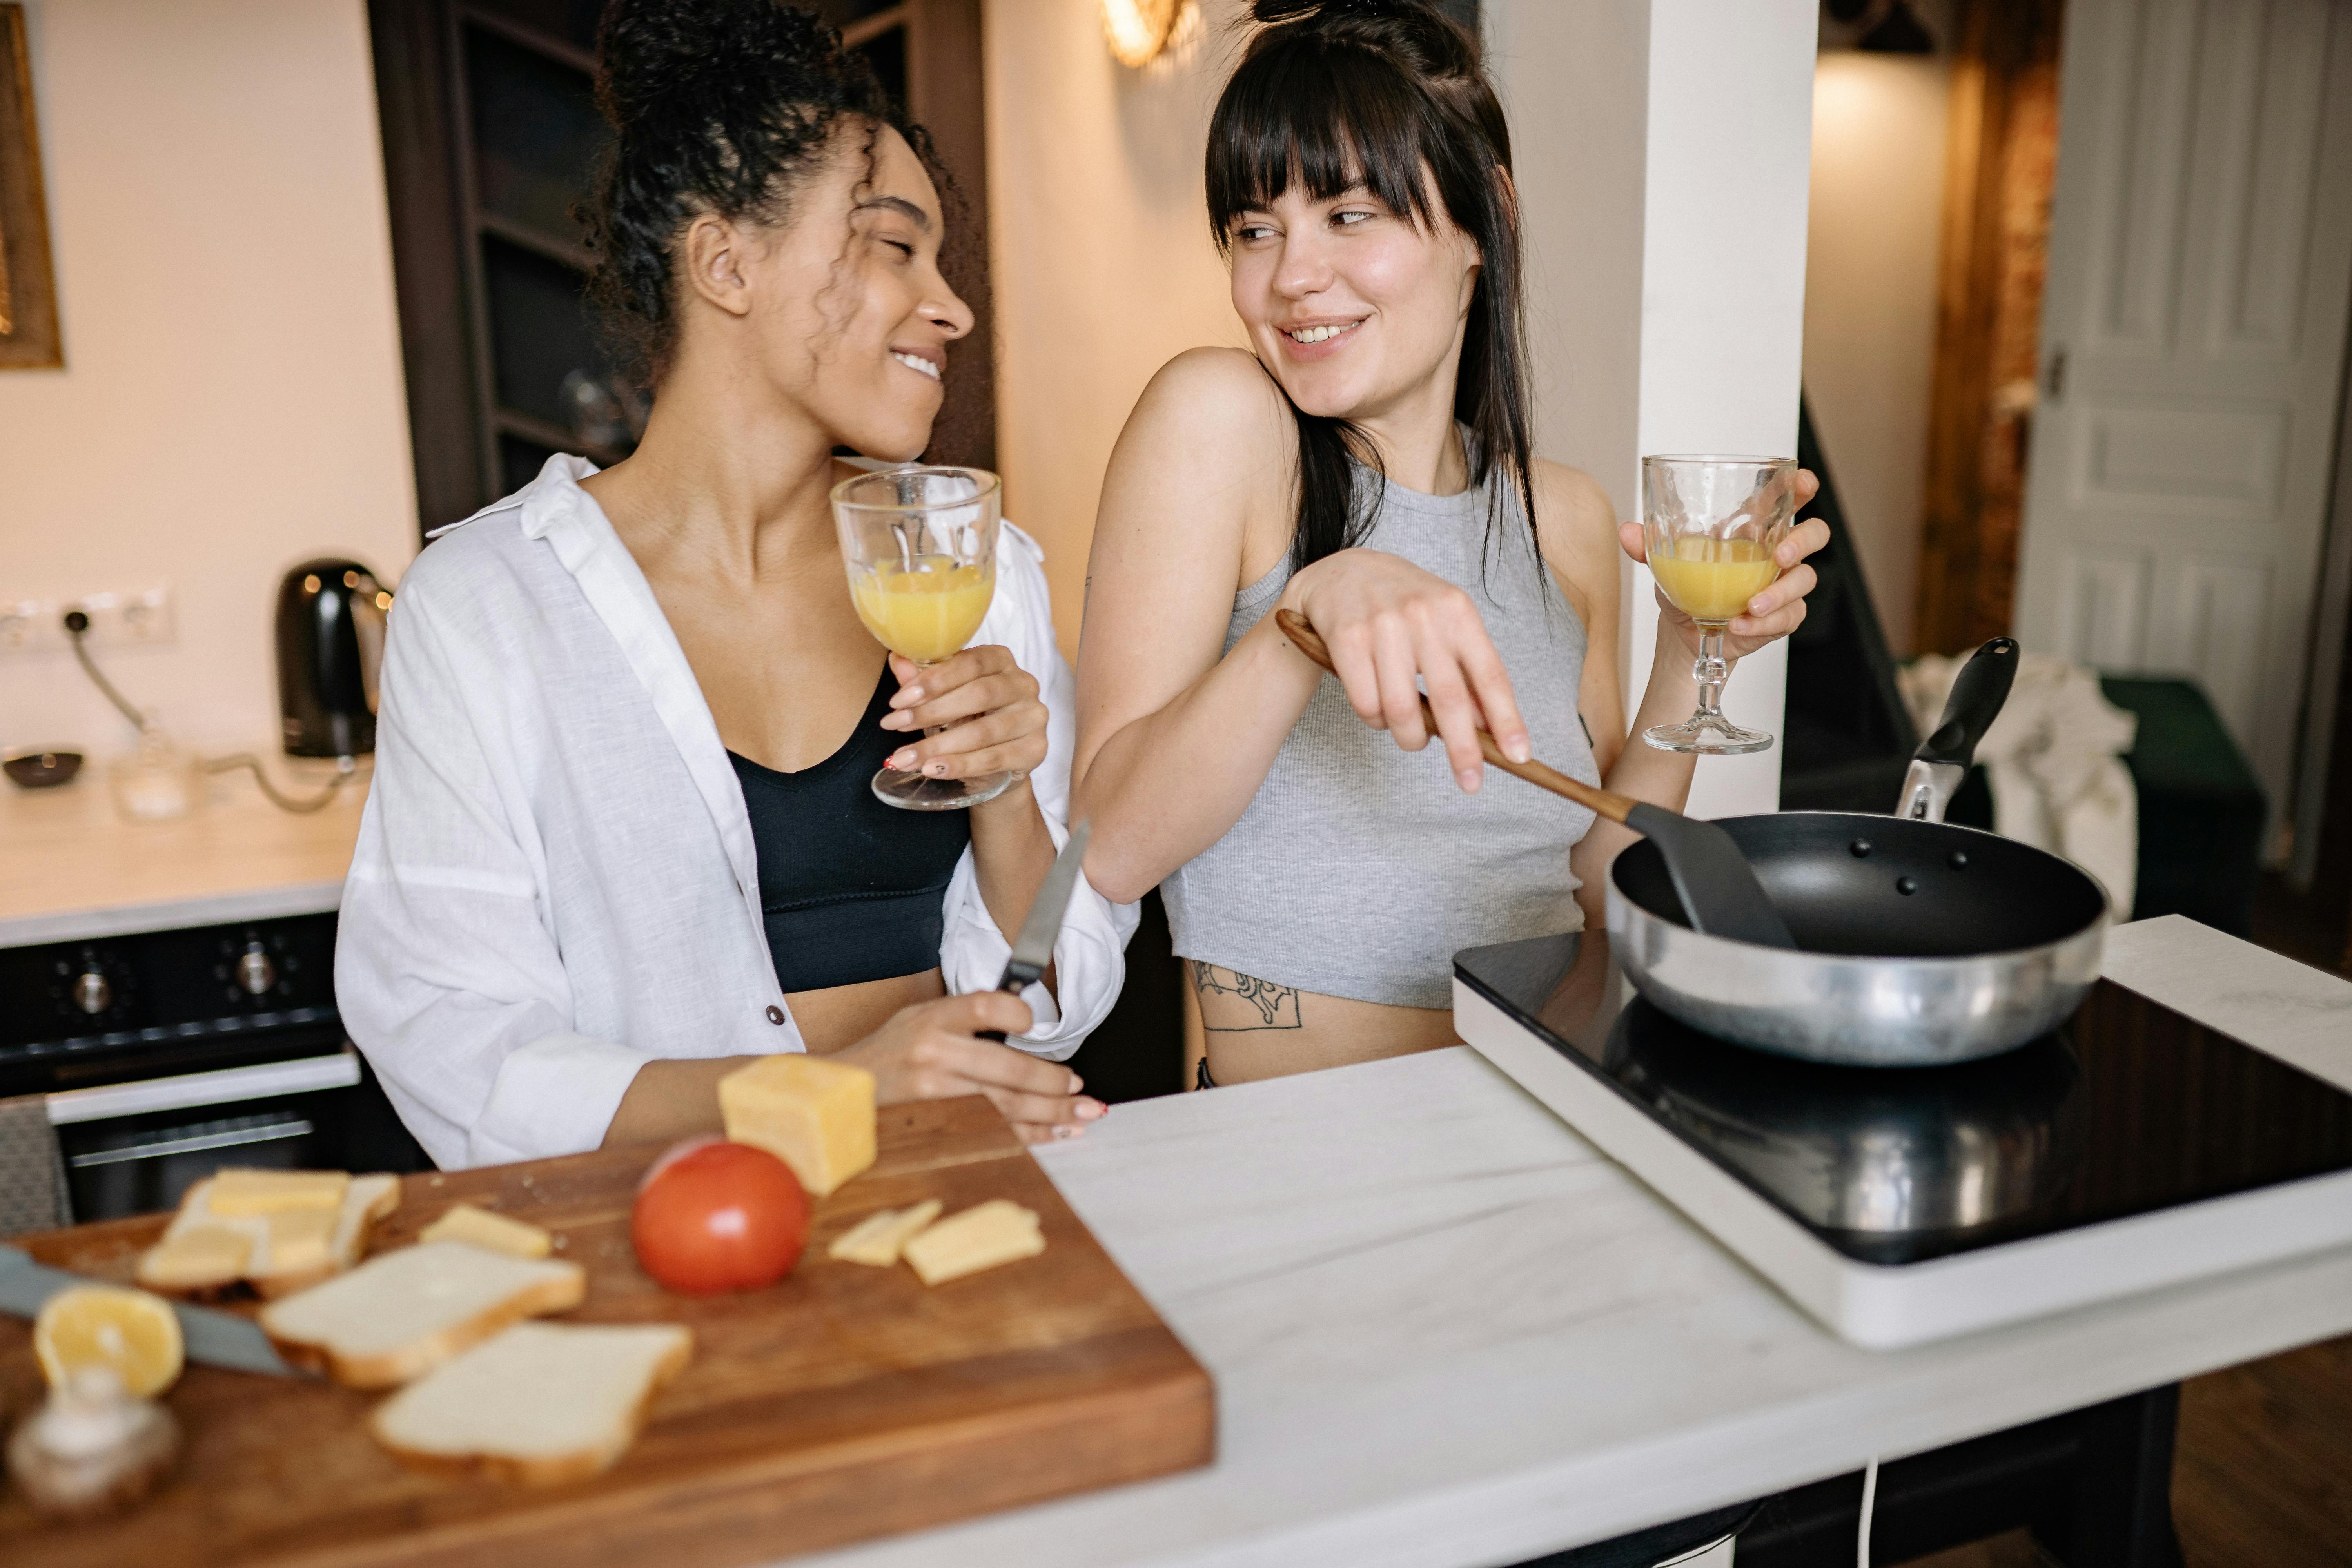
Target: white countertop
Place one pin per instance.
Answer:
(70, 868)
(1446, 1332)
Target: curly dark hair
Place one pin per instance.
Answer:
(717, 106)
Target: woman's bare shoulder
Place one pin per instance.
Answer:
(1576, 523)
(1573, 500)
(1219, 403)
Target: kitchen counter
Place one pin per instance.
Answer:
(71, 868)
(1446, 1331)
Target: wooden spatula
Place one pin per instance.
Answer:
(1719, 887)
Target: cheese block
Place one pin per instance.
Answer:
(998, 1231)
(495, 1231)
(880, 1237)
(279, 1250)
(245, 1192)
(816, 1116)
(403, 1312)
(539, 1404)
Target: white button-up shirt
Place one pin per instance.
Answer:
(555, 881)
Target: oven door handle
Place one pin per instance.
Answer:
(163, 1147)
(303, 1075)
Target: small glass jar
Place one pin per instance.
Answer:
(154, 783)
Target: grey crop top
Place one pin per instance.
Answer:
(1360, 869)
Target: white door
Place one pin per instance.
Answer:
(2192, 344)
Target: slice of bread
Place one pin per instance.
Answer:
(402, 1313)
(540, 1404)
(220, 1236)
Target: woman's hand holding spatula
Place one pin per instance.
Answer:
(1719, 887)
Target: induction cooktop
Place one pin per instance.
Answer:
(2132, 1148)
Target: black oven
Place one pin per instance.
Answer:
(166, 1055)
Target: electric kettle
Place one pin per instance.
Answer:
(331, 619)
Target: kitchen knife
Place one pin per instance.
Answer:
(1033, 950)
(216, 1339)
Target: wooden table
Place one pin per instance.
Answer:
(844, 1403)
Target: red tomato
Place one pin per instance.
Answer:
(712, 1216)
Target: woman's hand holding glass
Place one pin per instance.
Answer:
(931, 1051)
(1717, 532)
(1772, 614)
(993, 717)
(1396, 631)
(919, 544)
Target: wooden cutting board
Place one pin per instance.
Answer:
(844, 1403)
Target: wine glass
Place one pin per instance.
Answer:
(1711, 525)
(920, 547)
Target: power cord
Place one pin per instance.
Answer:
(1869, 1506)
(77, 627)
(346, 768)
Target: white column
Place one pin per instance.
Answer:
(1662, 149)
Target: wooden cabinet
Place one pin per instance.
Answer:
(491, 137)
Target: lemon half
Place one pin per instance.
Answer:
(133, 1334)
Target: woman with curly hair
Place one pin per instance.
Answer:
(1367, 465)
(621, 837)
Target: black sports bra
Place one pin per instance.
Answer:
(853, 889)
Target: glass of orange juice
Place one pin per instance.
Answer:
(1711, 525)
(920, 547)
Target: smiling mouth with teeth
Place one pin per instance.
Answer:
(914, 362)
(1318, 334)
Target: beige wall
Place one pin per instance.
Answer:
(1870, 303)
(1099, 252)
(232, 401)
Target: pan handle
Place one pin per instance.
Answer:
(1976, 701)
(1941, 762)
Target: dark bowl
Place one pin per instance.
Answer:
(35, 769)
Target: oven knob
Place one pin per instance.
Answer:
(91, 993)
(255, 972)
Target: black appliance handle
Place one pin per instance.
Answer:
(1977, 694)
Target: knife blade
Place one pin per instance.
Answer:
(216, 1339)
(1032, 950)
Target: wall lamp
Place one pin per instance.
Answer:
(1138, 30)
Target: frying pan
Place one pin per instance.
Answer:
(1919, 943)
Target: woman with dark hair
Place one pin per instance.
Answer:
(1369, 467)
(620, 836)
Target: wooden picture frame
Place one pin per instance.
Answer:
(29, 298)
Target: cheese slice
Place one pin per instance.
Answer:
(495, 1232)
(998, 1231)
(202, 1255)
(879, 1239)
(814, 1115)
(244, 1192)
(279, 1250)
(301, 1241)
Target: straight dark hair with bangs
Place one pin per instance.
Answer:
(1335, 93)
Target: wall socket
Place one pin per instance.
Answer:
(127, 619)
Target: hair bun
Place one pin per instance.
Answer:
(1312, 12)
(654, 49)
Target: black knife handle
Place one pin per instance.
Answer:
(1977, 693)
(1018, 977)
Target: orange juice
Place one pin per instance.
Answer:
(1713, 579)
(929, 613)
